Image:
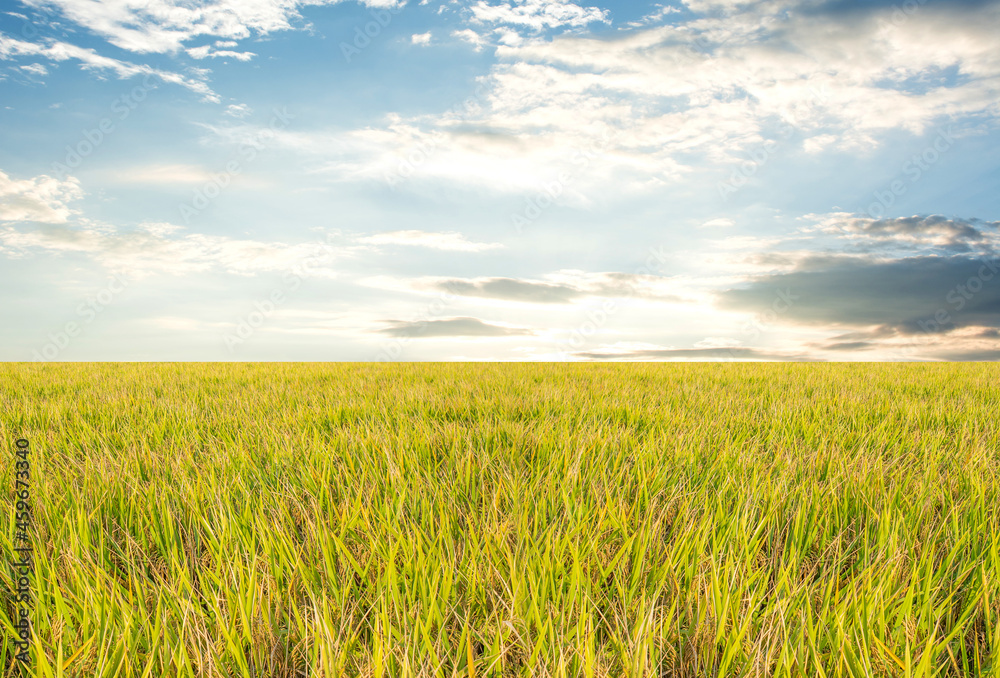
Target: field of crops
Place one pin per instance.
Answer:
(509, 519)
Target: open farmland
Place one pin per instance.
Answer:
(509, 519)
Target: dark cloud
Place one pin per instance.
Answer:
(808, 261)
(512, 289)
(691, 353)
(868, 334)
(451, 327)
(854, 7)
(927, 294)
(980, 355)
(848, 346)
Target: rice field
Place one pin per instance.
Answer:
(448, 520)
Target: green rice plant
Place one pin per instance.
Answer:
(478, 520)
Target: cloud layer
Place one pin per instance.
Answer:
(450, 327)
(41, 199)
(926, 284)
(164, 26)
(646, 105)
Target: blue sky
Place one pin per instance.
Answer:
(499, 179)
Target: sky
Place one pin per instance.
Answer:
(809, 180)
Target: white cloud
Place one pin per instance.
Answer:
(207, 51)
(538, 14)
(631, 285)
(810, 72)
(165, 248)
(159, 247)
(199, 52)
(439, 241)
(508, 37)
(656, 16)
(41, 199)
(718, 342)
(91, 60)
(721, 222)
(35, 69)
(163, 26)
(466, 152)
(471, 37)
(421, 38)
(238, 110)
(150, 247)
(697, 94)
